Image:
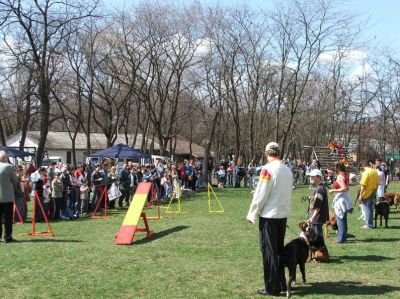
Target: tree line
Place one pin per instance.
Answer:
(227, 78)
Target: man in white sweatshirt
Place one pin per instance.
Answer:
(271, 203)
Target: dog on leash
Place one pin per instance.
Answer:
(382, 209)
(317, 248)
(332, 222)
(393, 199)
(296, 253)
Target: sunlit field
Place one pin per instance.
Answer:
(193, 255)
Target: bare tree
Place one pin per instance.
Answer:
(40, 28)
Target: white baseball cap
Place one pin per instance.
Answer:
(315, 172)
(272, 146)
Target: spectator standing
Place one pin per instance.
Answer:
(210, 167)
(230, 171)
(221, 176)
(383, 168)
(380, 192)
(139, 174)
(20, 200)
(51, 171)
(84, 195)
(271, 203)
(8, 188)
(342, 203)
(189, 175)
(97, 183)
(251, 174)
(369, 184)
(112, 179)
(134, 181)
(124, 184)
(240, 171)
(57, 194)
(38, 185)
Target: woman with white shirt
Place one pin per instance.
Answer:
(342, 203)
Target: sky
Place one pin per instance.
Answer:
(383, 25)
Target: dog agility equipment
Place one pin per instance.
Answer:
(129, 226)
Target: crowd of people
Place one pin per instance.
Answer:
(68, 192)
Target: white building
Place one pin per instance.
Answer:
(59, 143)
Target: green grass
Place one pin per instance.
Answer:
(196, 255)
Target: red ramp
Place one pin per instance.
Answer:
(130, 224)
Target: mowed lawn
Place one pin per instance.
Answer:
(194, 255)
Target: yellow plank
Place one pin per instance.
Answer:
(135, 209)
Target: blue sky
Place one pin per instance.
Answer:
(383, 25)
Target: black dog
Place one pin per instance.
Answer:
(296, 253)
(382, 209)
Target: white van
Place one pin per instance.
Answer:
(46, 162)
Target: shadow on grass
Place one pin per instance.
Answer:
(379, 240)
(393, 227)
(48, 241)
(364, 258)
(343, 288)
(159, 235)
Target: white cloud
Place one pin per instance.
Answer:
(350, 56)
(361, 71)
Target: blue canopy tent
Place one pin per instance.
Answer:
(14, 153)
(120, 151)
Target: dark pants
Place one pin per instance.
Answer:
(238, 180)
(38, 210)
(272, 235)
(57, 209)
(193, 183)
(125, 196)
(6, 209)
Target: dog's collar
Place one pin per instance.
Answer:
(304, 237)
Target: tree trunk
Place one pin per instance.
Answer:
(207, 149)
(25, 122)
(44, 122)
(2, 137)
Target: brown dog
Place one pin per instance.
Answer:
(322, 255)
(316, 248)
(332, 222)
(393, 199)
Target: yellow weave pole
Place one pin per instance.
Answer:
(179, 211)
(210, 190)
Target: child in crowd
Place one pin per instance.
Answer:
(167, 186)
(221, 176)
(84, 196)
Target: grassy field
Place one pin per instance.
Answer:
(195, 255)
